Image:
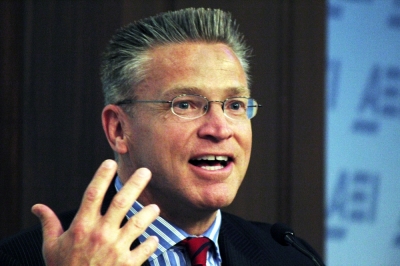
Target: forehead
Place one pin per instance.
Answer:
(200, 68)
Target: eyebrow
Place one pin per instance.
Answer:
(231, 92)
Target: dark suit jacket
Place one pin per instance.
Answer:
(241, 243)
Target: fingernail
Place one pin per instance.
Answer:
(108, 163)
(155, 207)
(155, 238)
(143, 172)
(35, 211)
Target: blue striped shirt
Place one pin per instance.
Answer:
(167, 254)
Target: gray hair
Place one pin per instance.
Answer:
(125, 58)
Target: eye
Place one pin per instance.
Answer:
(236, 105)
(182, 105)
(187, 104)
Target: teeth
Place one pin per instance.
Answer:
(212, 168)
(222, 158)
(212, 158)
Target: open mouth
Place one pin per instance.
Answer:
(211, 162)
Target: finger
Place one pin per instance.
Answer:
(142, 252)
(51, 226)
(138, 223)
(124, 199)
(94, 194)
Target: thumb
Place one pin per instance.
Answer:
(51, 226)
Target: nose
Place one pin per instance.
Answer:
(220, 102)
(215, 125)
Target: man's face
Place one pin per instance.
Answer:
(172, 147)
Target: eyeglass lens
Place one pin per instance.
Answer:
(193, 106)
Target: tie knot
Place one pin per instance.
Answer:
(197, 248)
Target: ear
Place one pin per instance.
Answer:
(113, 119)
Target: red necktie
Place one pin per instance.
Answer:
(197, 248)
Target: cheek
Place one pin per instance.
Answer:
(161, 129)
(170, 139)
(244, 136)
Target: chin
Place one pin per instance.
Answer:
(214, 201)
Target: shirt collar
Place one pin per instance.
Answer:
(169, 234)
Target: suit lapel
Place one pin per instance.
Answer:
(235, 245)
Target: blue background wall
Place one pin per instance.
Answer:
(363, 133)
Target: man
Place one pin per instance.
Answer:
(177, 116)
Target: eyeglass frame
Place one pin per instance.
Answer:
(131, 101)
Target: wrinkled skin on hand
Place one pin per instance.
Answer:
(95, 239)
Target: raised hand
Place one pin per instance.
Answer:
(95, 239)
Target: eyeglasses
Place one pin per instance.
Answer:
(192, 106)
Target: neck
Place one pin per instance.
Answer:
(196, 224)
(191, 219)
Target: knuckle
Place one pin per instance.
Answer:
(78, 231)
(147, 250)
(119, 202)
(137, 223)
(99, 237)
(92, 193)
(144, 251)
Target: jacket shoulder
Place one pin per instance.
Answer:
(245, 242)
(24, 248)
